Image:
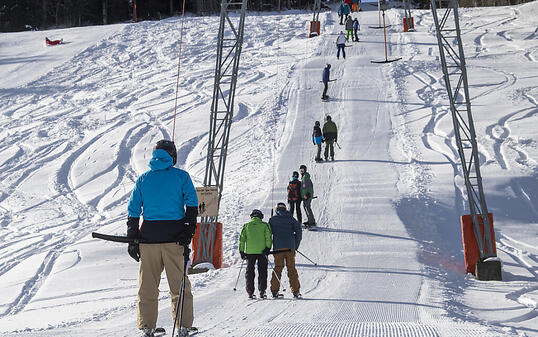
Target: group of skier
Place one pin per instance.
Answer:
(327, 135)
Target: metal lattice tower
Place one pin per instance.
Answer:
(407, 10)
(316, 9)
(230, 41)
(229, 44)
(455, 76)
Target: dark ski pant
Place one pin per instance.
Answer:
(329, 147)
(154, 258)
(262, 272)
(342, 47)
(308, 211)
(296, 204)
(325, 87)
(287, 258)
(356, 36)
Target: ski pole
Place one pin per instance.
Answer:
(338, 145)
(315, 264)
(274, 272)
(236, 281)
(186, 252)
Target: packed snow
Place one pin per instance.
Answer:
(79, 120)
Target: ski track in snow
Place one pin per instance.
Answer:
(75, 139)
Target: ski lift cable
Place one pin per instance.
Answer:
(178, 69)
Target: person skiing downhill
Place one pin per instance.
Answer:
(294, 195)
(356, 27)
(169, 203)
(349, 28)
(325, 78)
(341, 45)
(330, 136)
(254, 244)
(317, 139)
(307, 193)
(287, 234)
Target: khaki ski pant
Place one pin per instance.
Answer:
(153, 259)
(289, 259)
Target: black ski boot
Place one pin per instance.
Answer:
(263, 295)
(251, 296)
(276, 294)
(297, 295)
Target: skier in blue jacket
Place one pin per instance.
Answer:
(287, 234)
(317, 139)
(167, 199)
(325, 78)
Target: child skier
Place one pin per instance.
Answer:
(294, 195)
(254, 244)
(317, 139)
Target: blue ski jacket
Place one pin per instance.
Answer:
(287, 232)
(325, 75)
(161, 195)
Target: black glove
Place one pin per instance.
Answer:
(132, 227)
(266, 251)
(243, 255)
(186, 236)
(134, 251)
(190, 215)
(307, 195)
(133, 232)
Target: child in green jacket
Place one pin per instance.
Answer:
(254, 245)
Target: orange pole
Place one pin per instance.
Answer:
(135, 17)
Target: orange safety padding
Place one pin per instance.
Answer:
(408, 23)
(216, 246)
(314, 27)
(470, 247)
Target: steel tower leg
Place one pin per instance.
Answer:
(229, 44)
(455, 76)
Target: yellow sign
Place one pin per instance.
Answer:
(208, 197)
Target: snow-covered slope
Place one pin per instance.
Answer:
(74, 139)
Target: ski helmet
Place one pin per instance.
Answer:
(256, 213)
(280, 207)
(169, 147)
(316, 123)
(302, 167)
(329, 65)
(295, 174)
(328, 118)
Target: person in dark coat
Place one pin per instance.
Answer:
(317, 139)
(294, 195)
(307, 193)
(287, 234)
(325, 78)
(330, 136)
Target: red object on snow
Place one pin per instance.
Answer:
(53, 42)
(470, 247)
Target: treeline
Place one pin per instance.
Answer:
(475, 3)
(18, 15)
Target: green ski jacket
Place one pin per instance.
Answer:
(307, 188)
(255, 236)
